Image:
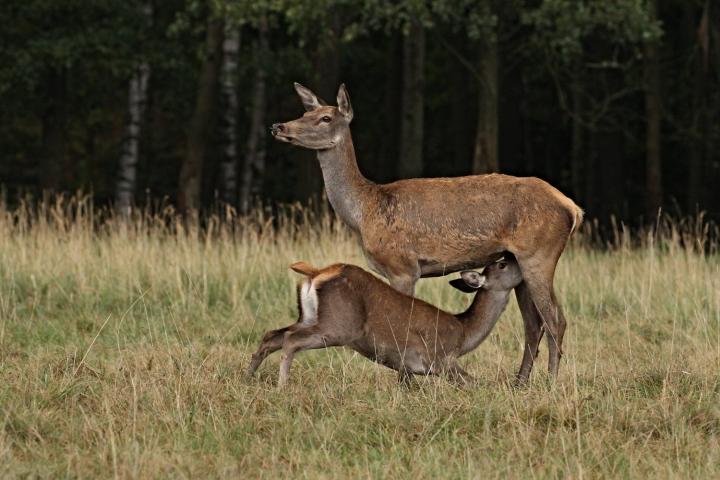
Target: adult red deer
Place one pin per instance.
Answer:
(427, 227)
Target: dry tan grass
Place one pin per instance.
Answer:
(122, 344)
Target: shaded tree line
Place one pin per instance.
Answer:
(615, 103)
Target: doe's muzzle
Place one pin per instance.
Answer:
(277, 128)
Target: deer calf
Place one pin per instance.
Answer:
(343, 305)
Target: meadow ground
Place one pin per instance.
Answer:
(122, 346)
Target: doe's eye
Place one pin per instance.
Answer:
(502, 265)
(326, 119)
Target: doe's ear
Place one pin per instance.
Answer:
(343, 101)
(309, 100)
(304, 268)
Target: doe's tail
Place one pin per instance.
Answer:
(578, 215)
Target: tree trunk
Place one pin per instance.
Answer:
(591, 177)
(327, 62)
(54, 122)
(696, 152)
(326, 78)
(710, 123)
(653, 112)
(578, 141)
(127, 166)
(229, 165)
(383, 167)
(707, 35)
(460, 151)
(191, 169)
(485, 157)
(605, 187)
(411, 129)
(254, 166)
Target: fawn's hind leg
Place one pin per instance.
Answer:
(272, 342)
(296, 341)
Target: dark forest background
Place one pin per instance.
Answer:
(615, 102)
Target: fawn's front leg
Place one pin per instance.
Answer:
(406, 379)
(455, 373)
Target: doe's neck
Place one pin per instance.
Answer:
(346, 187)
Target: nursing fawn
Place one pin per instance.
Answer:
(343, 305)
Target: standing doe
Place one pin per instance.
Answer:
(435, 226)
(343, 305)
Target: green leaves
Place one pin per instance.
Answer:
(41, 34)
(563, 28)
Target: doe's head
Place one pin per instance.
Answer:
(322, 126)
(502, 275)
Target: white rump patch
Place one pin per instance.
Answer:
(309, 302)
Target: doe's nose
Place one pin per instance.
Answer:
(277, 127)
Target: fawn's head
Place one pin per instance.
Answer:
(502, 275)
(322, 126)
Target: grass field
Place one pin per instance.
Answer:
(122, 346)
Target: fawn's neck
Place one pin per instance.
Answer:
(481, 316)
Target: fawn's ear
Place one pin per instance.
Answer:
(304, 268)
(460, 284)
(469, 281)
(309, 100)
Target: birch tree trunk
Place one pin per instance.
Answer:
(412, 119)
(127, 167)
(190, 179)
(254, 165)
(229, 165)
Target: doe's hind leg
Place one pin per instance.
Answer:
(538, 274)
(533, 331)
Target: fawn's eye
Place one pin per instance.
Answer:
(502, 265)
(326, 119)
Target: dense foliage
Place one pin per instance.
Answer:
(616, 103)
